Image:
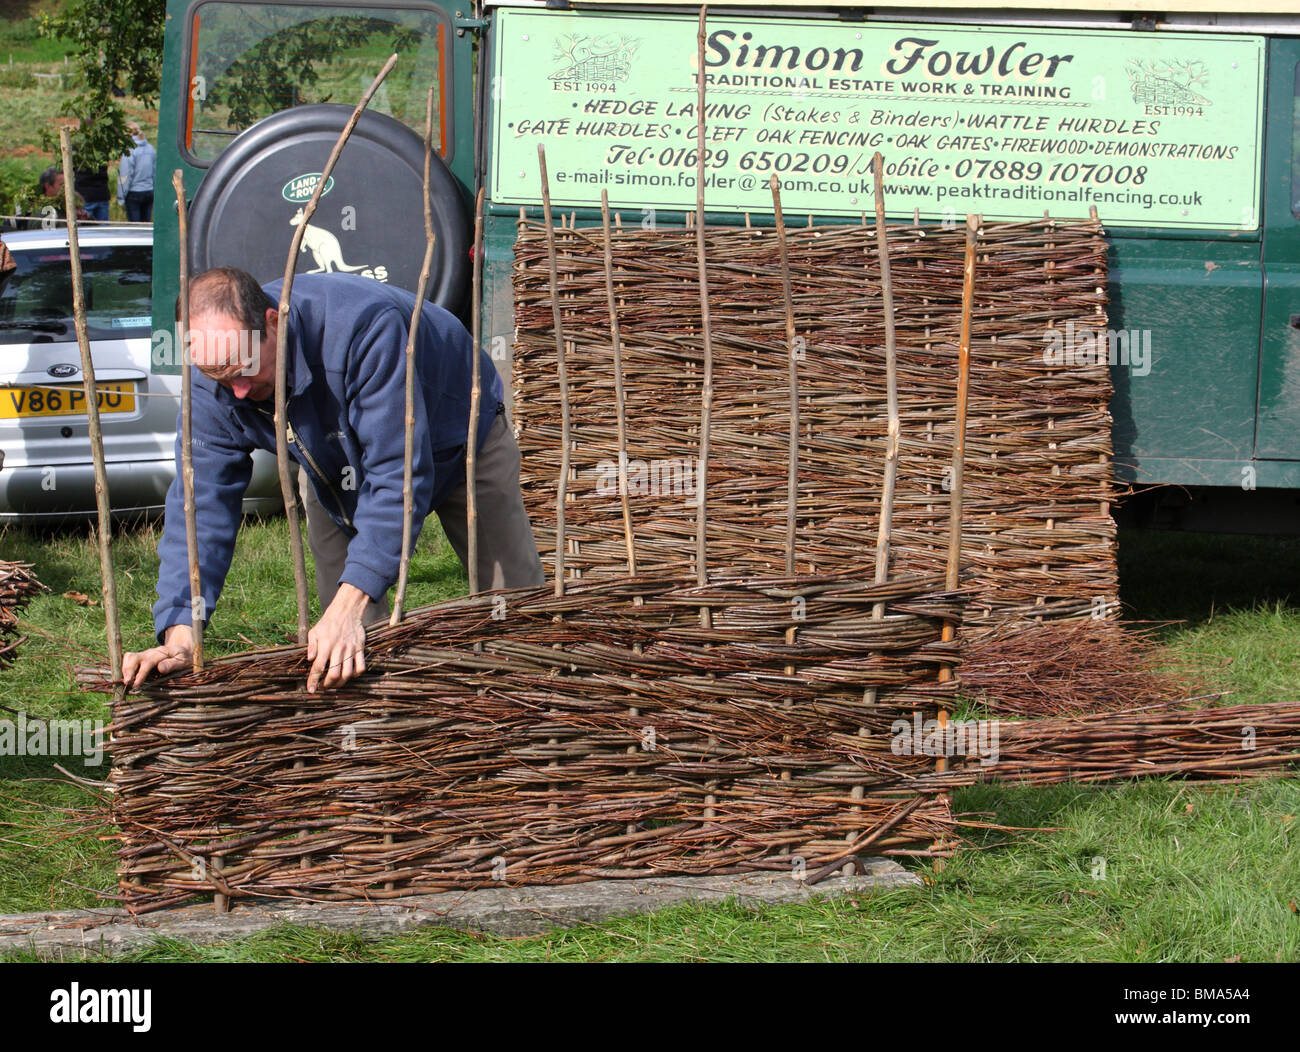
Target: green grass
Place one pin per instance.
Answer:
(29, 104)
(21, 40)
(1192, 873)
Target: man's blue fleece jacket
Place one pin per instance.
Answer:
(346, 397)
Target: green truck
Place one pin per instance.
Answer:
(1181, 129)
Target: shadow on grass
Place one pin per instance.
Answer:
(60, 553)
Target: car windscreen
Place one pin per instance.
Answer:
(36, 305)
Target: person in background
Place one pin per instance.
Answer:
(7, 267)
(135, 178)
(52, 192)
(92, 185)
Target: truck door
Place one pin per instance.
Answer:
(1277, 435)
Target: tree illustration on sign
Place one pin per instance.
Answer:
(594, 60)
(1168, 83)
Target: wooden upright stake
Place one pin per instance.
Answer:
(108, 583)
(952, 577)
(562, 490)
(198, 610)
(792, 491)
(792, 480)
(562, 493)
(963, 393)
(886, 527)
(620, 397)
(706, 335)
(408, 451)
(475, 399)
(287, 489)
(891, 388)
(952, 580)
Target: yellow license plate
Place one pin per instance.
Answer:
(64, 400)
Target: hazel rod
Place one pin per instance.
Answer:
(620, 395)
(287, 490)
(408, 449)
(109, 584)
(197, 607)
(562, 490)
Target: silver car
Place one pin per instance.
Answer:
(46, 473)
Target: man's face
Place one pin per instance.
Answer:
(240, 360)
(55, 189)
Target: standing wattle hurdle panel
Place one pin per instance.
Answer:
(1038, 538)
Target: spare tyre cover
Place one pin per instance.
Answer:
(369, 220)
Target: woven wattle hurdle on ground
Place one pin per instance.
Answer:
(1211, 744)
(524, 738)
(18, 584)
(1038, 537)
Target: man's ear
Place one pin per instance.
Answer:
(271, 325)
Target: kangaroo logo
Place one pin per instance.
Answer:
(324, 248)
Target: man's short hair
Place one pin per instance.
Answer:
(49, 175)
(232, 292)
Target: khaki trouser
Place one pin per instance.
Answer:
(507, 553)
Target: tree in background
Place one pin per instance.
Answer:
(118, 46)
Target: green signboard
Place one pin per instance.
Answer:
(1154, 129)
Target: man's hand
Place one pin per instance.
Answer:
(177, 651)
(336, 646)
